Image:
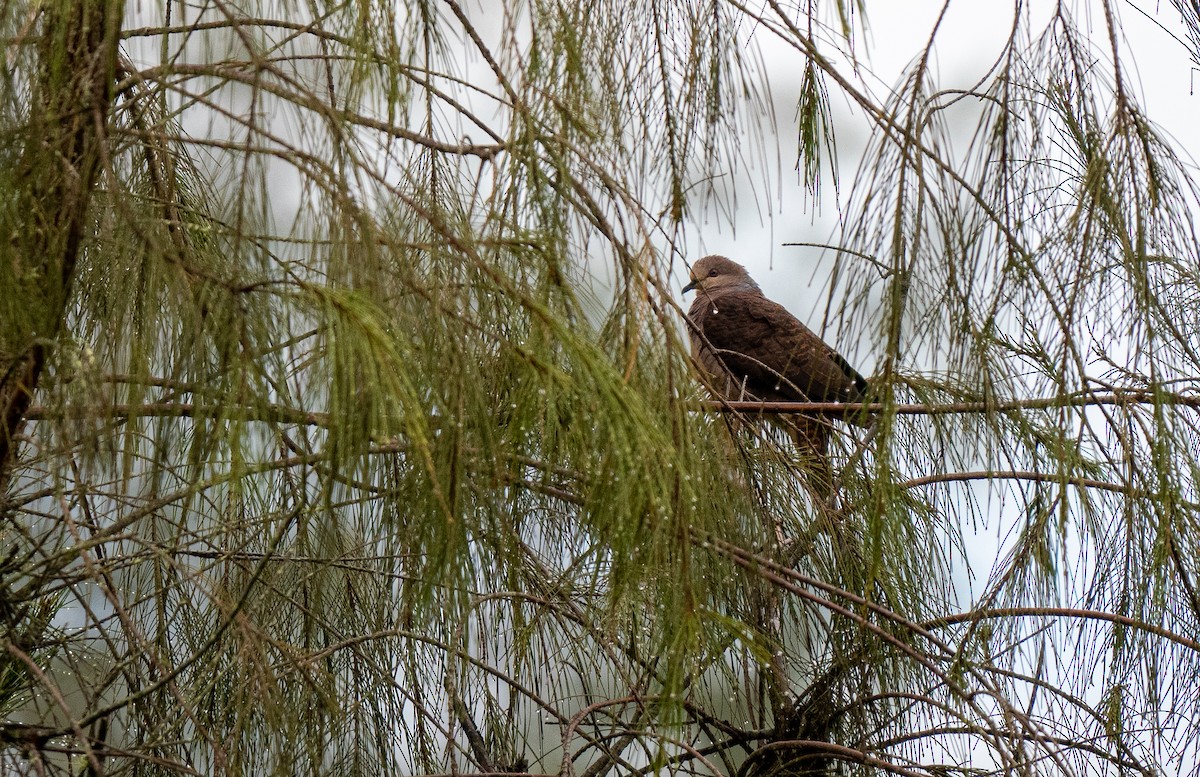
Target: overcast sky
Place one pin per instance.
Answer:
(970, 38)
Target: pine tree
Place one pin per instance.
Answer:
(349, 427)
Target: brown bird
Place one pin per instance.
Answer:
(753, 349)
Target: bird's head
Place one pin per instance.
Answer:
(713, 273)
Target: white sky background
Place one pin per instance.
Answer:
(969, 40)
(1159, 72)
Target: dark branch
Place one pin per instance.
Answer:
(839, 409)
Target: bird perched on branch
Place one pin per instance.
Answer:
(753, 349)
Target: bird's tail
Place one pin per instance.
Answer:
(811, 436)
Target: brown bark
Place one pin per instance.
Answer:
(71, 93)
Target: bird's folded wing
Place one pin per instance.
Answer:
(761, 342)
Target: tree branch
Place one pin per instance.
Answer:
(839, 409)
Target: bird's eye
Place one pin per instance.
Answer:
(712, 273)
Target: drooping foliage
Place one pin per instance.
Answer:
(349, 425)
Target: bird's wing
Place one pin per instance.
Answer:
(776, 356)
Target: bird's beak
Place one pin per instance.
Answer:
(694, 284)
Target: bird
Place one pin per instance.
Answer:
(752, 348)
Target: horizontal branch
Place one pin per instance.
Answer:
(838, 409)
(265, 413)
(243, 73)
(282, 414)
(1036, 477)
(1063, 612)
